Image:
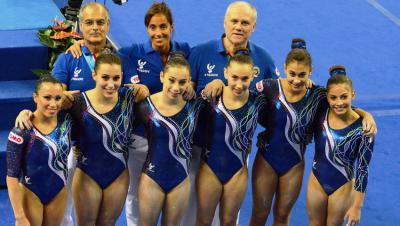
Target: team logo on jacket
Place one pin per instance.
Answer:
(135, 79)
(77, 72)
(256, 71)
(13, 137)
(141, 64)
(210, 68)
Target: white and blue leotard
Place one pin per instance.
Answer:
(170, 143)
(338, 152)
(228, 135)
(103, 139)
(287, 124)
(40, 160)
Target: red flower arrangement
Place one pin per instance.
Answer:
(58, 37)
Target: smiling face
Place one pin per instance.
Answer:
(48, 99)
(239, 24)
(340, 97)
(297, 75)
(94, 24)
(159, 30)
(108, 79)
(174, 81)
(239, 77)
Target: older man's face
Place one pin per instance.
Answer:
(239, 24)
(94, 25)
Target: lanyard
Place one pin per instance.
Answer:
(90, 60)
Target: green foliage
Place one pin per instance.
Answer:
(58, 38)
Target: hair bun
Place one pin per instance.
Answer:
(177, 54)
(298, 43)
(337, 70)
(242, 52)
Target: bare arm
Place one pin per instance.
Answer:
(140, 91)
(189, 92)
(16, 194)
(68, 98)
(75, 49)
(310, 84)
(353, 215)
(369, 125)
(213, 89)
(24, 119)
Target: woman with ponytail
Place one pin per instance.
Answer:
(229, 125)
(334, 191)
(279, 165)
(37, 159)
(169, 123)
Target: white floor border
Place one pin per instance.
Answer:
(384, 11)
(382, 113)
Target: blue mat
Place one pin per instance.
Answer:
(354, 33)
(26, 14)
(16, 91)
(3, 163)
(24, 52)
(15, 96)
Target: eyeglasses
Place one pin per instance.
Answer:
(89, 23)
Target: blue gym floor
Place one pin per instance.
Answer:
(363, 35)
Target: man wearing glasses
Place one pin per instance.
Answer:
(76, 74)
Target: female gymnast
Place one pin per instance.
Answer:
(279, 165)
(229, 127)
(37, 159)
(169, 121)
(333, 194)
(103, 118)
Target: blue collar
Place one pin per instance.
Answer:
(149, 49)
(221, 48)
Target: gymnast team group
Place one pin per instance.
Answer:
(165, 130)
